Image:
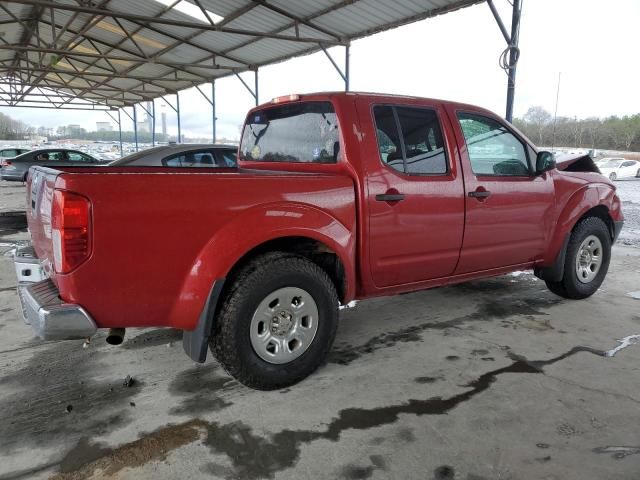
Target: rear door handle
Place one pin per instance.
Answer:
(389, 197)
(479, 194)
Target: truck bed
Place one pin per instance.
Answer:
(142, 217)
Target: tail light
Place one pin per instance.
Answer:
(5, 163)
(70, 230)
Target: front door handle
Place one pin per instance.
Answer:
(480, 193)
(389, 197)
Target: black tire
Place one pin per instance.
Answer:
(612, 176)
(570, 286)
(638, 173)
(231, 343)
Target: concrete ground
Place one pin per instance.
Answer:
(494, 379)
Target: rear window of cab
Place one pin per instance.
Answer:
(301, 132)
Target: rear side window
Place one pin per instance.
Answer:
(410, 140)
(305, 132)
(9, 153)
(196, 158)
(77, 157)
(493, 149)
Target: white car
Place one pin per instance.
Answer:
(616, 168)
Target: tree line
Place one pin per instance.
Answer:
(12, 129)
(610, 133)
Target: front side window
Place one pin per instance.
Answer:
(492, 148)
(410, 140)
(305, 132)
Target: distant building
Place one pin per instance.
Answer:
(164, 124)
(104, 127)
(143, 126)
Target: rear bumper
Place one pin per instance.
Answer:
(49, 316)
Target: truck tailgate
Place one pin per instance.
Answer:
(40, 187)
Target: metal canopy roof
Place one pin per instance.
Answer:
(107, 54)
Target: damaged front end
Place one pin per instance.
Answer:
(576, 163)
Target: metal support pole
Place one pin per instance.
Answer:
(213, 110)
(255, 90)
(346, 68)
(153, 123)
(513, 57)
(135, 126)
(178, 113)
(120, 132)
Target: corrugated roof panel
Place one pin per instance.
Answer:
(305, 8)
(260, 19)
(269, 49)
(219, 41)
(327, 19)
(224, 8)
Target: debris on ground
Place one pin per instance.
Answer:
(69, 408)
(128, 381)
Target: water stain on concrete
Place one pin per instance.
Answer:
(203, 390)
(255, 456)
(424, 380)
(153, 338)
(488, 310)
(55, 376)
(618, 452)
(444, 472)
(358, 472)
(153, 446)
(479, 352)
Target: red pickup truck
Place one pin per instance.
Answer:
(338, 196)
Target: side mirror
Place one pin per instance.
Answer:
(545, 162)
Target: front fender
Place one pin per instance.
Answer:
(247, 231)
(580, 202)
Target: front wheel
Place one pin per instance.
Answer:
(587, 260)
(638, 173)
(612, 176)
(277, 322)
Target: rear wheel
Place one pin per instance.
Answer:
(638, 173)
(587, 260)
(612, 176)
(277, 322)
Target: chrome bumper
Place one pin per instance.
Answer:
(42, 308)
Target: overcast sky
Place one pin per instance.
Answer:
(593, 43)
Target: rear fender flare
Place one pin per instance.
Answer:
(240, 236)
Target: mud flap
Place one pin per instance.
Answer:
(196, 342)
(554, 272)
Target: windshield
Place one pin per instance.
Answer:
(611, 164)
(299, 132)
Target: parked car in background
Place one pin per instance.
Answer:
(16, 168)
(10, 152)
(180, 155)
(617, 168)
